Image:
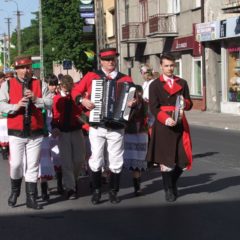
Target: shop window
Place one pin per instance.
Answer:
(196, 86)
(178, 68)
(234, 74)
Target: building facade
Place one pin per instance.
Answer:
(149, 28)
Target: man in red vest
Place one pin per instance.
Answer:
(22, 98)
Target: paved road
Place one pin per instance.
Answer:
(207, 208)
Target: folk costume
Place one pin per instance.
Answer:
(71, 140)
(170, 146)
(136, 143)
(104, 133)
(25, 130)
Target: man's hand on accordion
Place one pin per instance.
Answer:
(88, 104)
(132, 103)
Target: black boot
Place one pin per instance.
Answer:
(136, 185)
(44, 191)
(175, 176)
(16, 189)
(31, 196)
(168, 186)
(114, 187)
(96, 185)
(60, 189)
(5, 153)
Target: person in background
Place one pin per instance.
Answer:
(23, 99)
(67, 127)
(170, 141)
(104, 132)
(47, 158)
(136, 141)
(4, 144)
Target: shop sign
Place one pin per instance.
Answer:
(87, 8)
(89, 21)
(207, 31)
(230, 27)
(184, 43)
(87, 15)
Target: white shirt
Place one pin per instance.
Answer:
(145, 87)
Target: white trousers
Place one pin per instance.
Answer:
(72, 154)
(115, 147)
(28, 148)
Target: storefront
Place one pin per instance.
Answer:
(228, 33)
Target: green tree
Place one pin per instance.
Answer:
(62, 34)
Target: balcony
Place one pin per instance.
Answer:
(163, 25)
(231, 6)
(133, 32)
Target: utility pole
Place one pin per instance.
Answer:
(18, 27)
(41, 41)
(9, 42)
(19, 32)
(4, 51)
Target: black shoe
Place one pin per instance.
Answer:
(31, 196)
(15, 191)
(44, 190)
(12, 200)
(70, 195)
(96, 197)
(60, 189)
(137, 186)
(170, 196)
(113, 198)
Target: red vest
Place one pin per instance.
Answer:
(16, 124)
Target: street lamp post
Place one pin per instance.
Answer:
(18, 27)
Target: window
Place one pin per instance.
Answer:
(196, 88)
(197, 3)
(110, 23)
(178, 68)
(174, 6)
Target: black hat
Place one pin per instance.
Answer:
(108, 53)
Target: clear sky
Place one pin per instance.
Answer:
(8, 9)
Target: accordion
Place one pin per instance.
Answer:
(110, 99)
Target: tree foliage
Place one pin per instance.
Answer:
(63, 35)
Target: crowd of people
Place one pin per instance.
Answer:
(45, 131)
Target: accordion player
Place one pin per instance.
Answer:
(110, 99)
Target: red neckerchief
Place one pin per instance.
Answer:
(175, 88)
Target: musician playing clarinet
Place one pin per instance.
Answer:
(170, 144)
(22, 98)
(104, 133)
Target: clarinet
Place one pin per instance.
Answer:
(27, 117)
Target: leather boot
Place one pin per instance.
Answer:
(136, 185)
(96, 185)
(31, 196)
(44, 191)
(168, 186)
(5, 153)
(175, 176)
(60, 189)
(114, 187)
(15, 191)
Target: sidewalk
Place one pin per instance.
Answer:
(213, 119)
